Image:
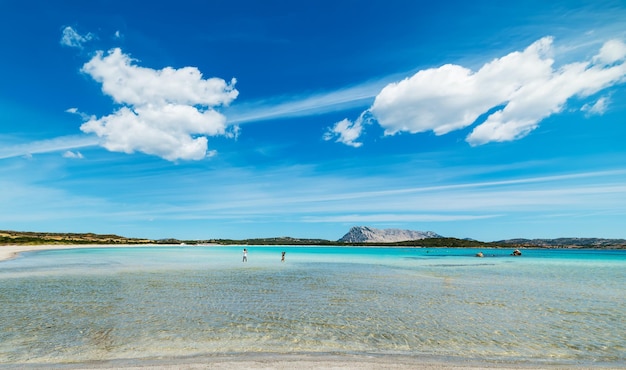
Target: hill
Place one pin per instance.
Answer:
(38, 238)
(364, 234)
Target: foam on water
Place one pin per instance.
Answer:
(126, 303)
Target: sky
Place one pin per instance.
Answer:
(241, 119)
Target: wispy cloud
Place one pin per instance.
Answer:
(72, 38)
(395, 217)
(312, 198)
(356, 96)
(46, 146)
(329, 198)
(73, 155)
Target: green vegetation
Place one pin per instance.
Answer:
(37, 238)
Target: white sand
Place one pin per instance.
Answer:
(11, 251)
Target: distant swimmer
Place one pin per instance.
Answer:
(282, 257)
(516, 253)
(245, 255)
(479, 254)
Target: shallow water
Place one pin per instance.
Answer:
(552, 306)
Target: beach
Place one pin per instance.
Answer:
(11, 251)
(198, 307)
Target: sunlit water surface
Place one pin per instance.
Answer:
(547, 306)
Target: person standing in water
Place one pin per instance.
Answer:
(282, 257)
(245, 255)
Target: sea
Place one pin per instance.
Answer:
(564, 307)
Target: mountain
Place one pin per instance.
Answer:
(364, 234)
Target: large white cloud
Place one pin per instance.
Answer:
(543, 97)
(167, 112)
(522, 87)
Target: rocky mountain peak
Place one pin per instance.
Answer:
(365, 234)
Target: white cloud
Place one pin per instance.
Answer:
(544, 97)
(73, 39)
(348, 132)
(612, 51)
(233, 131)
(597, 108)
(523, 87)
(82, 115)
(164, 112)
(129, 84)
(74, 155)
(452, 97)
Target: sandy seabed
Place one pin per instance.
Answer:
(274, 361)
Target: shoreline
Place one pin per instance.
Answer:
(8, 252)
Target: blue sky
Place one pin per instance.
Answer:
(239, 119)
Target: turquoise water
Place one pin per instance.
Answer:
(547, 306)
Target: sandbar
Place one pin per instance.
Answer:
(11, 251)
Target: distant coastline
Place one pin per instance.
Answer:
(19, 238)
